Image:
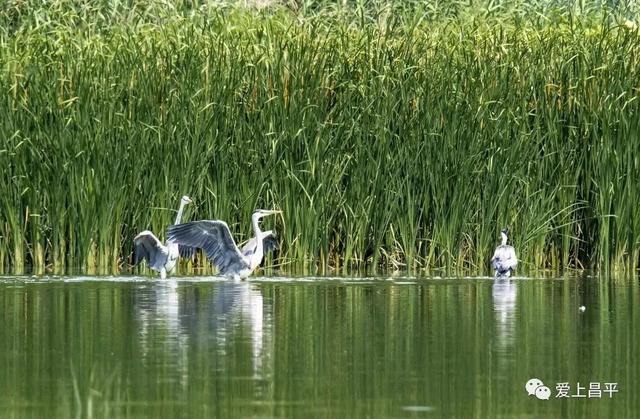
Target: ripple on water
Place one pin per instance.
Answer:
(418, 408)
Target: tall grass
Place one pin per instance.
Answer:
(391, 139)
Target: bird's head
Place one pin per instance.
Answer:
(504, 233)
(186, 200)
(259, 213)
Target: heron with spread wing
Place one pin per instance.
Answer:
(504, 258)
(159, 257)
(214, 237)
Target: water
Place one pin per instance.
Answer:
(331, 348)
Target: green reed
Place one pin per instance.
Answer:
(391, 139)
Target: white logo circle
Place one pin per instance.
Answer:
(543, 393)
(532, 385)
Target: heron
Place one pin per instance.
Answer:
(504, 259)
(161, 258)
(214, 237)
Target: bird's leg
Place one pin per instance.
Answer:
(163, 273)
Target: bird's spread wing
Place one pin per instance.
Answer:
(269, 243)
(215, 239)
(147, 247)
(186, 252)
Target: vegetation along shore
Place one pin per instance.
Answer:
(401, 137)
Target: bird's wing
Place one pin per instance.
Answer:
(510, 260)
(497, 258)
(504, 258)
(249, 247)
(214, 238)
(186, 252)
(269, 243)
(147, 247)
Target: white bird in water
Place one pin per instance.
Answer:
(214, 237)
(159, 257)
(504, 259)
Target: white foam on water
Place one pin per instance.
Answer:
(418, 408)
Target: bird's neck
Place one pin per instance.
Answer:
(180, 210)
(255, 222)
(504, 239)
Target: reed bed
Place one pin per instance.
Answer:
(392, 139)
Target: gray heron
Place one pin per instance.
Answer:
(159, 257)
(214, 237)
(504, 259)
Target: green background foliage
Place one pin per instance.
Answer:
(392, 135)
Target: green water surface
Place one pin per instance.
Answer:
(305, 348)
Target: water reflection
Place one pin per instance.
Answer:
(186, 318)
(136, 348)
(158, 315)
(237, 310)
(505, 294)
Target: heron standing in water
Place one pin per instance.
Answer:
(159, 257)
(504, 259)
(214, 237)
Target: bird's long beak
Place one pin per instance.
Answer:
(270, 212)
